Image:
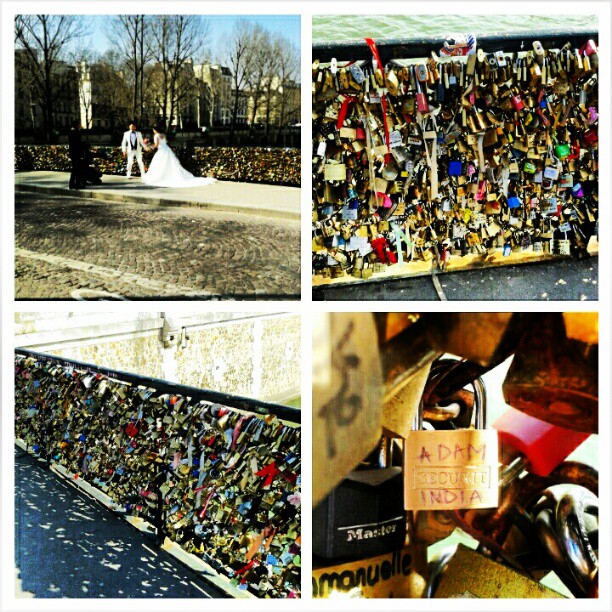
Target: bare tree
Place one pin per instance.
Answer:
(288, 103)
(262, 73)
(43, 42)
(272, 83)
(112, 96)
(242, 58)
(131, 35)
(179, 40)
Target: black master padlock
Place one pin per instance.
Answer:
(364, 515)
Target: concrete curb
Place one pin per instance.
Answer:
(117, 197)
(194, 563)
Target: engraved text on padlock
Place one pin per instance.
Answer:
(447, 470)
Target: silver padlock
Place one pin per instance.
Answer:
(561, 523)
(579, 554)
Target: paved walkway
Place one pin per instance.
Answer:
(86, 248)
(246, 198)
(67, 545)
(567, 279)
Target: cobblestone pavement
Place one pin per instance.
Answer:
(72, 248)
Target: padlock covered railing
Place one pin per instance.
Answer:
(218, 474)
(418, 46)
(453, 154)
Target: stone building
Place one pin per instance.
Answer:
(99, 95)
(216, 99)
(278, 103)
(29, 98)
(104, 98)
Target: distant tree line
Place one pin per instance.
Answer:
(149, 69)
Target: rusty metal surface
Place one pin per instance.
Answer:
(554, 378)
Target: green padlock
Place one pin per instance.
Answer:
(529, 167)
(562, 149)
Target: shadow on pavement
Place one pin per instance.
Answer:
(66, 545)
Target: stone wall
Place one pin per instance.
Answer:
(249, 354)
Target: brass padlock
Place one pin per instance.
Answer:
(469, 574)
(452, 469)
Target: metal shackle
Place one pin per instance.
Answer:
(581, 559)
(451, 411)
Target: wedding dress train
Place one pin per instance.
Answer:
(166, 170)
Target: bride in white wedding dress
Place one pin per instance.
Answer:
(166, 170)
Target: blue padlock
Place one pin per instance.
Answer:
(455, 168)
(514, 202)
(577, 190)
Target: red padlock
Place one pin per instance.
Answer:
(378, 245)
(131, 430)
(517, 102)
(588, 48)
(421, 99)
(543, 445)
(590, 137)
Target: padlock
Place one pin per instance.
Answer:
(562, 150)
(452, 469)
(577, 191)
(529, 167)
(364, 515)
(455, 167)
(554, 377)
(421, 73)
(542, 445)
(391, 82)
(421, 99)
(517, 102)
(562, 529)
(514, 202)
(564, 246)
(551, 172)
(469, 574)
(393, 575)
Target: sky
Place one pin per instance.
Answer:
(221, 28)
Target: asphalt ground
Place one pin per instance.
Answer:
(562, 280)
(73, 248)
(68, 545)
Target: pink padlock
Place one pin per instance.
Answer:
(482, 187)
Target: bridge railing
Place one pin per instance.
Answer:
(218, 474)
